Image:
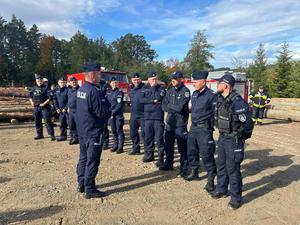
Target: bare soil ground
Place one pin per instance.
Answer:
(38, 184)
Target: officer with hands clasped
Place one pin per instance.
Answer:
(234, 122)
(90, 117)
(40, 99)
(175, 103)
(115, 97)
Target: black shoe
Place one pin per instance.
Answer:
(38, 137)
(166, 167)
(80, 189)
(61, 138)
(74, 142)
(160, 160)
(194, 175)
(115, 148)
(134, 153)
(217, 195)
(53, 138)
(234, 205)
(148, 158)
(210, 185)
(183, 173)
(95, 194)
(105, 147)
(119, 151)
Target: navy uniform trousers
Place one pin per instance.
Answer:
(116, 125)
(39, 114)
(179, 134)
(230, 156)
(89, 160)
(154, 131)
(63, 120)
(135, 124)
(201, 142)
(72, 126)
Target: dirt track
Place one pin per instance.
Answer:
(38, 184)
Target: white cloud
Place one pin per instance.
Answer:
(58, 17)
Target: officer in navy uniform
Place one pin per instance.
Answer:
(60, 100)
(90, 117)
(104, 140)
(176, 104)
(137, 113)
(152, 96)
(72, 97)
(39, 99)
(200, 136)
(233, 119)
(115, 97)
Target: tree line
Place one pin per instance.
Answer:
(24, 52)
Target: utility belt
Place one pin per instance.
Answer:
(204, 124)
(232, 134)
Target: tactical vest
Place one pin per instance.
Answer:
(37, 95)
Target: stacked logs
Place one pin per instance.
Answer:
(14, 104)
(284, 108)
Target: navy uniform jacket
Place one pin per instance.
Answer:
(152, 98)
(60, 98)
(203, 105)
(91, 112)
(39, 94)
(137, 108)
(72, 96)
(176, 103)
(115, 98)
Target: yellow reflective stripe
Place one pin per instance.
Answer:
(259, 120)
(253, 119)
(258, 106)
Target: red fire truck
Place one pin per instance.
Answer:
(121, 77)
(242, 85)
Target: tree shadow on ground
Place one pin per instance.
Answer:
(263, 160)
(4, 179)
(267, 184)
(28, 215)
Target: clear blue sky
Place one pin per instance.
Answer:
(234, 27)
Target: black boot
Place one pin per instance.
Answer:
(38, 137)
(74, 142)
(194, 175)
(160, 160)
(52, 137)
(62, 138)
(148, 157)
(166, 166)
(210, 185)
(120, 144)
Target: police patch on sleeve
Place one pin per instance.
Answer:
(119, 100)
(187, 94)
(242, 118)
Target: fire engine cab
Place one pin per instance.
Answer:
(242, 85)
(106, 75)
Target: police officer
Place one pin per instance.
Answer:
(39, 99)
(90, 119)
(200, 136)
(259, 101)
(152, 96)
(176, 104)
(137, 113)
(72, 96)
(234, 122)
(115, 97)
(104, 140)
(60, 100)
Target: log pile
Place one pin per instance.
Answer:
(14, 104)
(284, 108)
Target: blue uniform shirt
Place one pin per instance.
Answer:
(137, 108)
(176, 103)
(115, 98)
(39, 94)
(203, 104)
(90, 113)
(60, 98)
(72, 96)
(152, 98)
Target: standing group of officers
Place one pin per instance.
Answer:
(97, 104)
